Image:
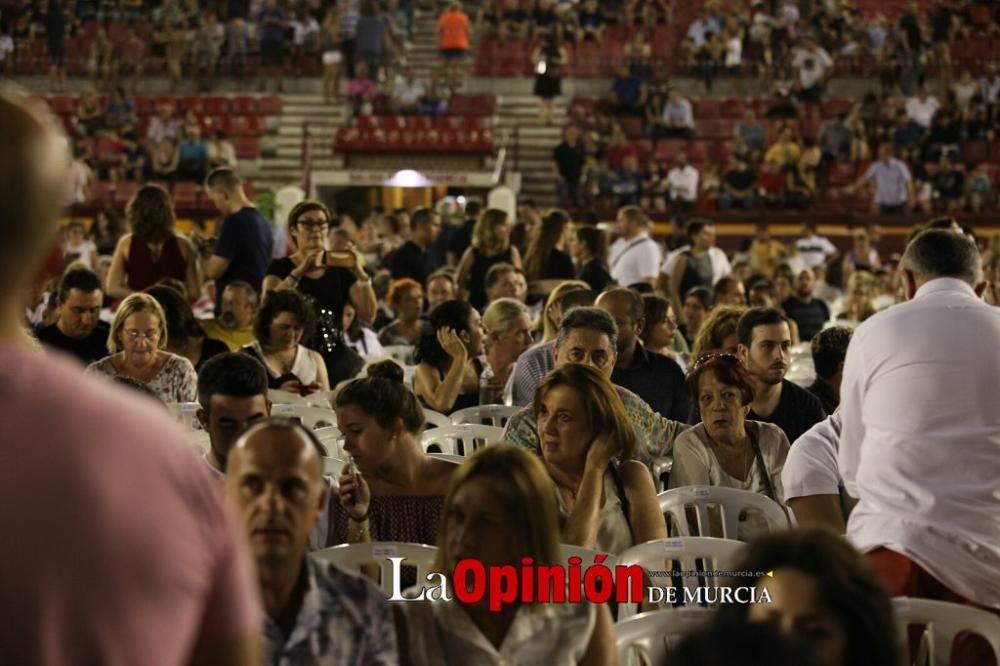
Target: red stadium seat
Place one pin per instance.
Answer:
(994, 152)
(243, 105)
(123, 192)
(247, 147)
(733, 108)
(192, 103)
(974, 152)
(186, 195)
(269, 105)
(705, 108)
(216, 106)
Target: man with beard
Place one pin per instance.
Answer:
(316, 611)
(234, 325)
(810, 313)
(765, 344)
(78, 330)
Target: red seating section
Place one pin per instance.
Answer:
(414, 134)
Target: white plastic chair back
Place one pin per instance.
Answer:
(185, 413)
(587, 556)
(460, 439)
(322, 399)
(458, 460)
(494, 415)
(436, 419)
(332, 440)
(682, 554)
(313, 418)
(942, 622)
(662, 466)
(731, 503)
(201, 441)
(332, 467)
(279, 397)
(646, 638)
(354, 556)
(401, 353)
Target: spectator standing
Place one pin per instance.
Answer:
(696, 265)
(372, 39)
(678, 118)
(412, 258)
(546, 258)
(926, 523)
(569, 160)
(635, 257)
(490, 245)
(814, 250)
(590, 250)
(549, 59)
(245, 244)
(453, 42)
(331, 48)
(682, 181)
(815, 66)
(809, 313)
(892, 180)
(76, 459)
(272, 26)
(56, 23)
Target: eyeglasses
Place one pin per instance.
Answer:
(148, 336)
(313, 226)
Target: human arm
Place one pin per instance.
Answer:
(441, 394)
(216, 266)
(644, 515)
(362, 294)
(818, 511)
(601, 650)
(322, 378)
(515, 257)
(584, 516)
(192, 276)
(464, 268)
(355, 497)
(117, 280)
(675, 282)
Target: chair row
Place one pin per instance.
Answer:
(352, 140)
(211, 105)
(441, 123)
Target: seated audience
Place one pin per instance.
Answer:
(540, 360)
(499, 509)
(440, 287)
(185, 336)
(696, 305)
(829, 348)
(606, 497)
(743, 643)
(729, 290)
(763, 294)
(234, 325)
(590, 249)
(678, 118)
(718, 332)
(310, 606)
(137, 343)
(507, 325)
(553, 311)
(727, 449)
(505, 281)
(396, 491)
(808, 312)
(739, 185)
(284, 319)
(858, 305)
(359, 337)
(153, 250)
(814, 491)
(588, 335)
(77, 247)
(660, 332)
(656, 379)
(406, 298)
(232, 394)
(765, 342)
(78, 330)
(448, 358)
(823, 592)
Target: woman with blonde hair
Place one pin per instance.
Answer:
(153, 251)
(137, 347)
(490, 245)
(507, 324)
(499, 509)
(718, 332)
(549, 321)
(858, 304)
(587, 442)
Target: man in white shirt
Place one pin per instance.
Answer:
(682, 180)
(813, 249)
(814, 65)
(920, 446)
(922, 107)
(407, 91)
(635, 257)
(813, 489)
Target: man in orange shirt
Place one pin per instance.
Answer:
(453, 28)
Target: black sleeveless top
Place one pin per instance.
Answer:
(477, 275)
(464, 399)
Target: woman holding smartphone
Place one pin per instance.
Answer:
(329, 279)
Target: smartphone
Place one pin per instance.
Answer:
(341, 259)
(355, 473)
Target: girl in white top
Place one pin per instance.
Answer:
(499, 509)
(606, 499)
(725, 449)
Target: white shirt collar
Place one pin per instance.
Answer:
(943, 284)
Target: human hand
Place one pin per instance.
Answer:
(353, 492)
(451, 343)
(291, 386)
(602, 450)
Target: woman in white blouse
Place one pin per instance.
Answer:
(726, 449)
(499, 509)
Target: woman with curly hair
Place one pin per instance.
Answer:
(153, 251)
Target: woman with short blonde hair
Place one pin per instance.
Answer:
(136, 345)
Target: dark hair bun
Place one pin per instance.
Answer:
(386, 370)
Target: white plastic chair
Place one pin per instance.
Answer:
(321, 399)
(942, 622)
(682, 554)
(458, 460)
(494, 415)
(460, 439)
(662, 466)
(731, 503)
(313, 418)
(436, 419)
(332, 440)
(279, 397)
(354, 556)
(646, 638)
(401, 353)
(185, 413)
(332, 467)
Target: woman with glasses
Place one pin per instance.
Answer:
(284, 319)
(406, 298)
(726, 449)
(137, 343)
(329, 280)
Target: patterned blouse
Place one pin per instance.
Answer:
(411, 519)
(176, 381)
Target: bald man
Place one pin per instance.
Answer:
(316, 611)
(111, 565)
